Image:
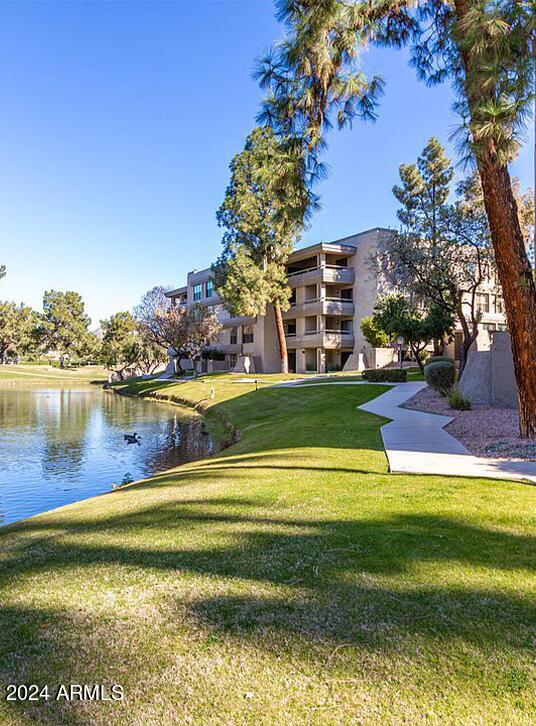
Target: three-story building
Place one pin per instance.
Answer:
(333, 289)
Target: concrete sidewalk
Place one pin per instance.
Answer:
(416, 442)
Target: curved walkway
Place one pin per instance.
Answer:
(416, 442)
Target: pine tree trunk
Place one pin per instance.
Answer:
(282, 341)
(513, 267)
(517, 282)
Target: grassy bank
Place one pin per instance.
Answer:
(49, 374)
(290, 579)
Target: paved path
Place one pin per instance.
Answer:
(416, 442)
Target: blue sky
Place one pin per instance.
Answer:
(119, 121)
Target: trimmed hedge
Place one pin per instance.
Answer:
(440, 375)
(386, 375)
(438, 359)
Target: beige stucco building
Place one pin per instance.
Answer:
(333, 288)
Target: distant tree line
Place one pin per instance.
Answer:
(137, 342)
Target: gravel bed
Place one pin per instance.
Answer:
(485, 431)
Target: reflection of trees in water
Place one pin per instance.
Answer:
(65, 417)
(119, 410)
(18, 410)
(182, 439)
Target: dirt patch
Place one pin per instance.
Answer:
(485, 431)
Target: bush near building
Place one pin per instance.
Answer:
(386, 375)
(440, 376)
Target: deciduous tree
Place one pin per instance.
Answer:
(397, 316)
(120, 343)
(17, 328)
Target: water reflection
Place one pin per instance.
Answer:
(62, 444)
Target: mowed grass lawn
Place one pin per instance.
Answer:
(288, 580)
(48, 374)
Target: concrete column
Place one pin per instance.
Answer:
(321, 360)
(300, 361)
(322, 259)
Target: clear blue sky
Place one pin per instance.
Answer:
(119, 120)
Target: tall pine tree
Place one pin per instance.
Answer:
(265, 206)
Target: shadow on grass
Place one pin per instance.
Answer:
(308, 584)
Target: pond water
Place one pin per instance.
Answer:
(63, 444)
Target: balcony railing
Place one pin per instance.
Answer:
(318, 267)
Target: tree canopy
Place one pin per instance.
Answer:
(266, 204)
(65, 325)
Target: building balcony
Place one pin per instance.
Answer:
(325, 273)
(235, 322)
(321, 339)
(321, 306)
(230, 348)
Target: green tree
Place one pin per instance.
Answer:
(442, 254)
(396, 316)
(64, 325)
(374, 335)
(487, 51)
(17, 330)
(120, 343)
(265, 205)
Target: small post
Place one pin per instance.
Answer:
(212, 393)
(400, 343)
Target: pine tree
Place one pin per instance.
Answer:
(265, 206)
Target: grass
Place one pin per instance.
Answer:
(290, 579)
(28, 373)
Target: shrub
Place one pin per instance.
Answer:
(458, 401)
(440, 375)
(212, 354)
(438, 359)
(386, 375)
(333, 368)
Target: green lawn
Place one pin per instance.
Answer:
(289, 580)
(41, 374)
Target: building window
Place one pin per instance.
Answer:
(210, 288)
(290, 328)
(293, 297)
(347, 326)
(247, 334)
(234, 336)
(482, 302)
(233, 358)
(198, 292)
(498, 304)
(490, 327)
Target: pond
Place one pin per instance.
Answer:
(62, 444)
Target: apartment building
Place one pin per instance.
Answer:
(333, 288)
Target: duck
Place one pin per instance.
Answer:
(132, 438)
